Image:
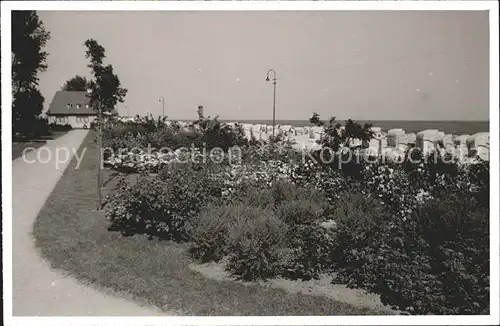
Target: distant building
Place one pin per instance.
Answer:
(71, 107)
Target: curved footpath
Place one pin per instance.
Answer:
(37, 289)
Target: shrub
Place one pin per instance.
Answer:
(257, 245)
(307, 213)
(284, 190)
(275, 193)
(117, 130)
(479, 177)
(193, 184)
(210, 229)
(124, 143)
(187, 138)
(393, 186)
(300, 211)
(368, 252)
(40, 127)
(133, 161)
(337, 138)
(58, 127)
(313, 247)
(148, 123)
(143, 208)
(162, 206)
(310, 234)
(242, 180)
(436, 262)
(282, 151)
(456, 228)
(359, 218)
(163, 138)
(256, 196)
(330, 182)
(216, 134)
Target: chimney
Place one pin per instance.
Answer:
(200, 111)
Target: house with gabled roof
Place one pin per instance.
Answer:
(71, 107)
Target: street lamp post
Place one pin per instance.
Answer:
(274, 80)
(162, 100)
(99, 197)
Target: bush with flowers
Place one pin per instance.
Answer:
(434, 262)
(440, 173)
(146, 161)
(393, 186)
(322, 177)
(237, 179)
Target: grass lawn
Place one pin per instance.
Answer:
(73, 236)
(19, 146)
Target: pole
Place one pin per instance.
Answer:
(274, 105)
(162, 100)
(99, 201)
(274, 80)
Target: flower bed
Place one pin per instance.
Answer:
(417, 234)
(150, 162)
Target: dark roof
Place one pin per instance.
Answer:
(65, 103)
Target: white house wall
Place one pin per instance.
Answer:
(74, 121)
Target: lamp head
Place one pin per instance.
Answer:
(267, 78)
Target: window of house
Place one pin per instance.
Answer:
(86, 106)
(78, 106)
(69, 105)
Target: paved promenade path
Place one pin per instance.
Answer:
(39, 290)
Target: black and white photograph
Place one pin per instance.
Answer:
(328, 160)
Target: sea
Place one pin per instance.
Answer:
(448, 127)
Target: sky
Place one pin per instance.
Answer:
(365, 65)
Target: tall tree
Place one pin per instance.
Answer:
(29, 38)
(77, 83)
(105, 84)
